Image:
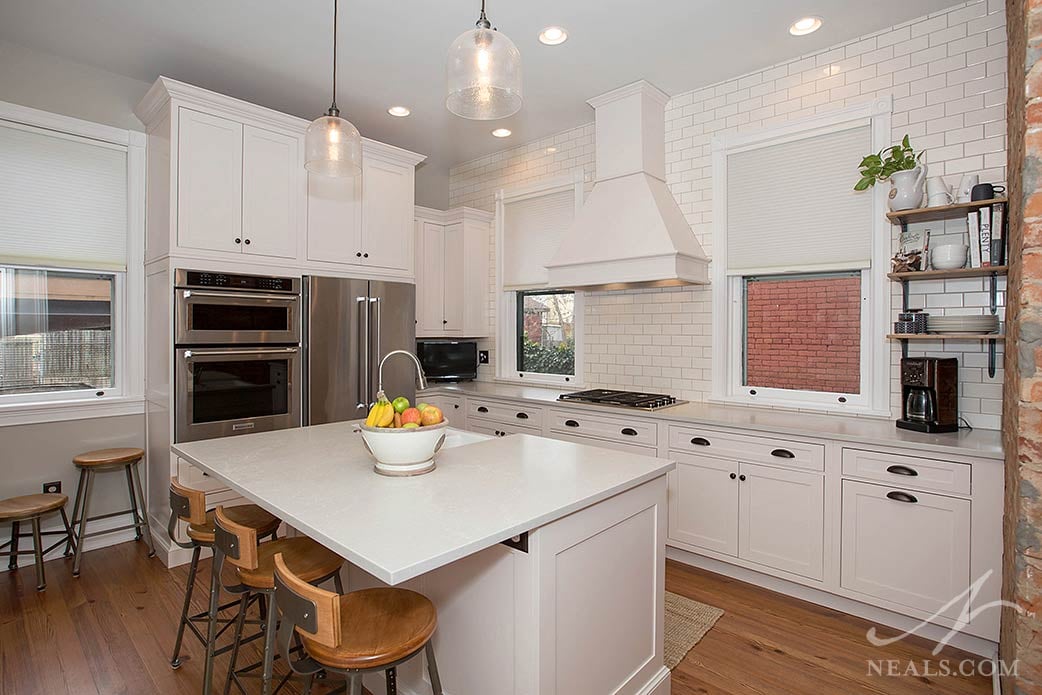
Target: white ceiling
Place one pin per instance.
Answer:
(278, 54)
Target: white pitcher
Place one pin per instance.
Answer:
(906, 192)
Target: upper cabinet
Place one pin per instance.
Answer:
(226, 183)
(452, 272)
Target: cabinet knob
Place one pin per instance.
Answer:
(365, 255)
(358, 255)
(742, 477)
(238, 240)
(456, 406)
(733, 476)
(444, 320)
(247, 242)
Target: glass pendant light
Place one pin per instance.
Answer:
(483, 73)
(332, 146)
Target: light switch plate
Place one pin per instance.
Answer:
(482, 356)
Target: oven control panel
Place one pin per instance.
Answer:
(194, 278)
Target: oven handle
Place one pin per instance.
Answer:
(290, 298)
(191, 354)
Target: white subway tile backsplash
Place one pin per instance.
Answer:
(947, 74)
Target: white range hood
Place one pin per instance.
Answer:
(630, 231)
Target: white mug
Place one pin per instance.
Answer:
(966, 186)
(937, 192)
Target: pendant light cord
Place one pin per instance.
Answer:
(333, 110)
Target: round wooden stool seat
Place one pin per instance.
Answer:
(28, 506)
(378, 627)
(309, 560)
(108, 457)
(249, 515)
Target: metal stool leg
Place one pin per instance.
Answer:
(269, 644)
(309, 680)
(68, 533)
(41, 582)
(239, 623)
(144, 516)
(211, 630)
(175, 660)
(13, 562)
(432, 669)
(84, 515)
(76, 508)
(392, 681)
(133, 502)
(355, 684)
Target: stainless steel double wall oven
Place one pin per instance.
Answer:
(237, 366)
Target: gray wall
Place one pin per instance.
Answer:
(47, 82)
(34, 454)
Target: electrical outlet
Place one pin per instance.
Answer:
(55, 487)
(482, 356)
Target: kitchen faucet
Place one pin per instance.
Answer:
(415, 360)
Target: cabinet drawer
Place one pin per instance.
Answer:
(505, 412)
(190, 476)
(745, 448)
(451, 407)
(629, 431)
(907, 471)
(497, 429)
(606, 444)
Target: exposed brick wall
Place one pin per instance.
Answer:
(1021, 635)
(804, 334)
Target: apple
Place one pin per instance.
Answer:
(422, 406)
(431, 415)
(410, 426)
(411, 415)
(400, 404)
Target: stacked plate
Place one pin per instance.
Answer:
(963, 324)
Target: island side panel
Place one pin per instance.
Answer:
(559, 619)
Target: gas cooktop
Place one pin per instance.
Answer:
(622, 399)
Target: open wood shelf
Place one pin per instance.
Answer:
(947, 336)
(941, 212)
(956, 273)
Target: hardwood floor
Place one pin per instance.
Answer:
(110, 632)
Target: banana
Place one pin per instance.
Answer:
(374, 412)
(386, 416)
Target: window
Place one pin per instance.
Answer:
(55, 331)
(803, 332)
(800, 302)
(546, 332)
(71, 267)
(539, 332)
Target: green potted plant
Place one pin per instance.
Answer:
(902, 167)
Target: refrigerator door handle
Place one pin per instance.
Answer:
(374, 302)
(363, 376)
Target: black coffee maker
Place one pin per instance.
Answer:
(929, 394)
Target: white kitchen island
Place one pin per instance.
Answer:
(571, 604)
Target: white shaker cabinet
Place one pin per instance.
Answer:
(452, 272)
(209, 182)
(334, 219)
(703, 503)
(272, 192)
(906, 546)
(387, 223)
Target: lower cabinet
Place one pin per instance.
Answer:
(768, 515)
(905, 546)
(499, 429)
(451, 407)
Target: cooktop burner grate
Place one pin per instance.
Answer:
(622, 399)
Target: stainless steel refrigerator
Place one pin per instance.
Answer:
(348, 326)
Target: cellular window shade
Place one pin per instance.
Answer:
(532, 230)
(63, 200)
(791, 206)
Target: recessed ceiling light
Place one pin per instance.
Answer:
(804, 26)
(553, 36)
(399, 111)
(501, 133)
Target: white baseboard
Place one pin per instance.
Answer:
(970, 643)
(90, 544)
(659, 685)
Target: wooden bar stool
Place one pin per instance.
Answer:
(30, 508)
(189, 505)
(356, 633)
(255, 569)
(103, 461)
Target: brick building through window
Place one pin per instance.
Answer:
(803, 332)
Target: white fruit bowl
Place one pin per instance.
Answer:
(400, 452)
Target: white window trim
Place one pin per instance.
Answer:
(727, 302)
(127, 397)
(506, 300)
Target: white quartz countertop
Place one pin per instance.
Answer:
(848, 429)
(320, 480)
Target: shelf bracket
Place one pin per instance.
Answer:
(991, 359)
(994, 303)
(904, 348)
